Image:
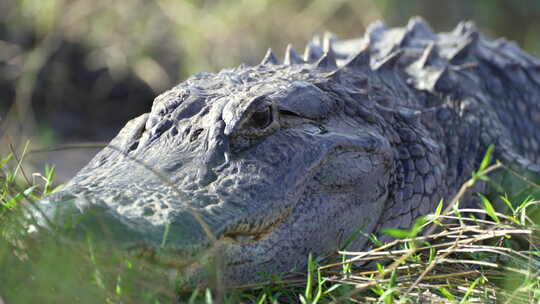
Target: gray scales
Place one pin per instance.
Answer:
(281, 159)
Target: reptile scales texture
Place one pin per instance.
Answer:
(277, 160)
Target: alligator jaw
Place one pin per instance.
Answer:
(246, 233)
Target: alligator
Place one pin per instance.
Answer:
(270, 162)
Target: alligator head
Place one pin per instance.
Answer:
(270, 162)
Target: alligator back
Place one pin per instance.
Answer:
(495, 81)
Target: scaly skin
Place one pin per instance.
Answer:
(279, 160)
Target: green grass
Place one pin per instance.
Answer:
(451, 256)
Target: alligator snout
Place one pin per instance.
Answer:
(82, 216)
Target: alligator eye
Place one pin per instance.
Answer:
(262, 118)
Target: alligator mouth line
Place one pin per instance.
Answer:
(249, 233)
(162, 258)
(243, 233)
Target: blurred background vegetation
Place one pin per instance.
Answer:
(75, 71)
